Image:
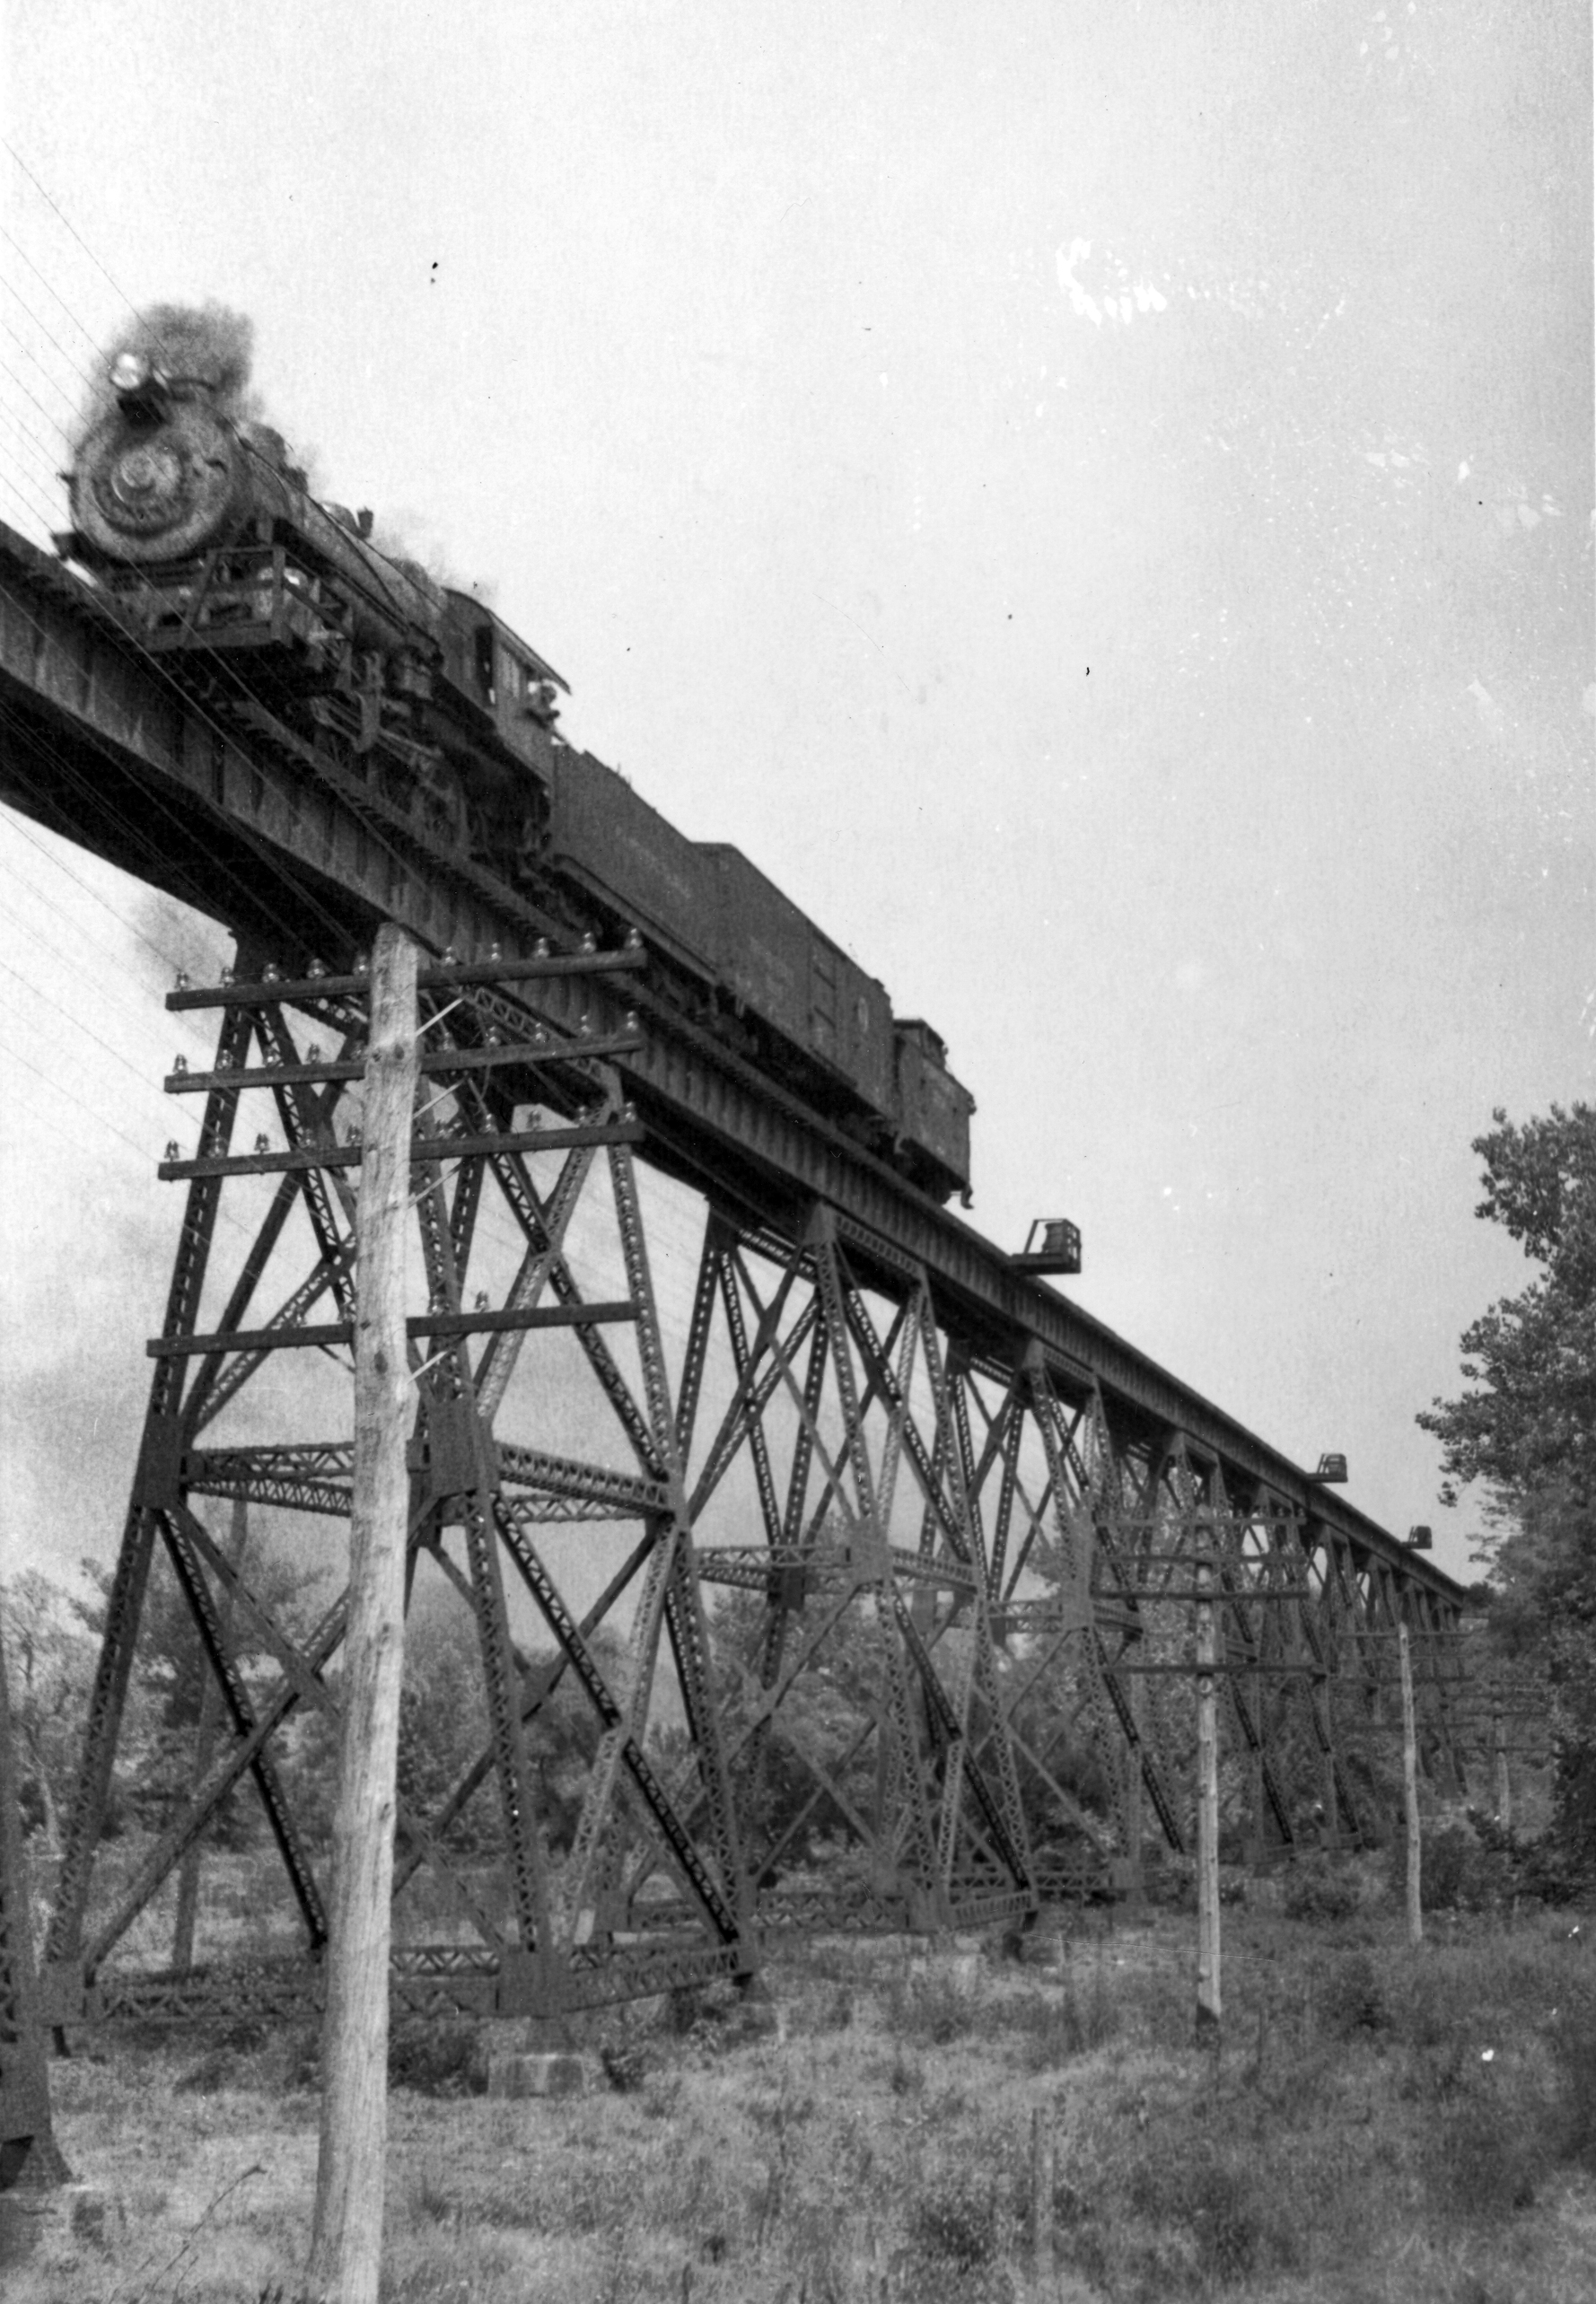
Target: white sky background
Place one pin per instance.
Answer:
(1100, 511)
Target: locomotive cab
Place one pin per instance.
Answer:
(495, 723)
(505, 682)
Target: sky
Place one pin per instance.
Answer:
(1097, 504)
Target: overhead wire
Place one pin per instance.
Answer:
(18, 824)
(503, 1241)
(109, 992)
(94, 1113)
(383, 841)
(506, 1237)
(495, 1220)
(49, 288)
(223, 669)
(77, 1024)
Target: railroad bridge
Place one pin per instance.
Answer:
(793, 1478)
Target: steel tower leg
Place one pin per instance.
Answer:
(483, 1487)
(28, 2151)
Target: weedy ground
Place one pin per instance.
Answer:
(1376, 2126)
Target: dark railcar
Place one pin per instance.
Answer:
(207, 536)
(624, 852)
(933, 1109)
(777, 962)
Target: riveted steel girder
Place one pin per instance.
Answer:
(857, 1565)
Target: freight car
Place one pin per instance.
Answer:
(205, 540)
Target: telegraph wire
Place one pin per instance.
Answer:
(55, 1088)
(39, 404)
(160, 672)
(22, 432)
(85, 332)
(382, 839)
(67, 221)
(507, 1239)
(26, 349)
(18, 823)
(494, 1221)
(118, 998)
(225, 670)
(141, 842)
(76, 1023)
(72, 359)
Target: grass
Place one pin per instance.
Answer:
(1378, 2126)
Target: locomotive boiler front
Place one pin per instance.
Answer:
(161, 478)
(167, 475)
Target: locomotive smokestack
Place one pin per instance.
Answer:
(170, 345)
(140, 388)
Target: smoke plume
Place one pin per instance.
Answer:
(205, 340)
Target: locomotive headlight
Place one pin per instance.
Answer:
(130, 372)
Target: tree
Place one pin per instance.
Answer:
(783, 1800)
(1527, 1431)
(49, 1662)
(443, 1726)
(163, 1728)
(1532, 1426)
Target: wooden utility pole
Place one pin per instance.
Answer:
(1415, 1917)
(1043, 2175)
(1208, 2005)
(346, 2239)
(1503, 1776)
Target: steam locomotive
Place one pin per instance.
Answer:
(207, 543)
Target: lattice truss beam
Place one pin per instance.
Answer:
(1309, 1709)
(765, 1593)
(571, 1569)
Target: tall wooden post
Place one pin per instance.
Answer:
(1503, 1785)
(1415, 1917)
(1208, 2005)
(346, 2240)
(1043, 2172)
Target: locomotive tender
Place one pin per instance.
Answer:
(207, 543)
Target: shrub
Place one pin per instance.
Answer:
(1171, 1885)
(1316, 1888)
(960, 2218)
(701, 2012)
(934, 2008)
(300, 2070)
(903, 2073)
(1427, 2012)
(627, 2062)
(216, 2070)
(1054, 2028)
(1491, 2140)
(1351, 1998)
(1569, 2034)
(836, 2012)
(435, 2056)
(1457, 1873)
(1227, 2205)
(1545, 1866)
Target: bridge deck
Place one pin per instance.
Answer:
(102, 746)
